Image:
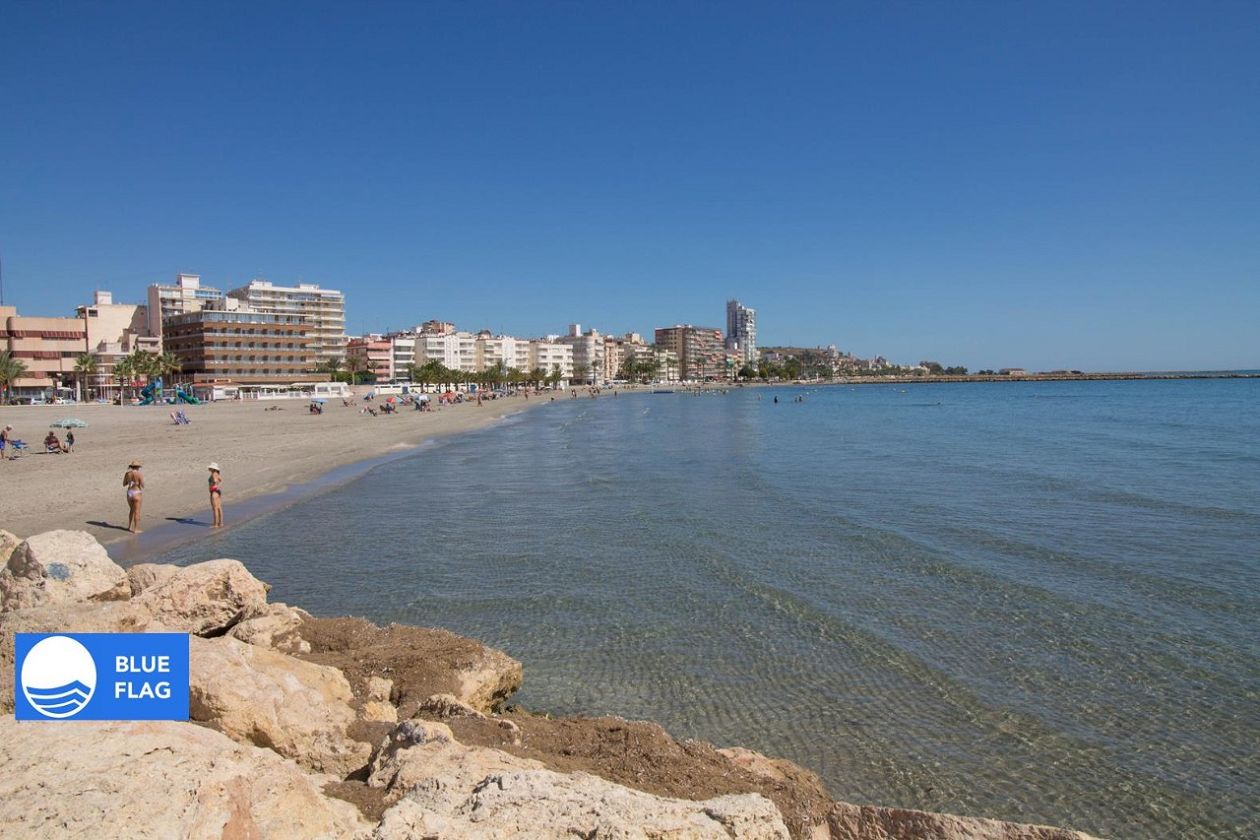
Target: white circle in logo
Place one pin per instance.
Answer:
(58, 677)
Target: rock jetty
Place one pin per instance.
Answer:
(310, 727)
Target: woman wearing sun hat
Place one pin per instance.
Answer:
(133, 480)
(216, 493)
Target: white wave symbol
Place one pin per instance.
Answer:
(61, 701)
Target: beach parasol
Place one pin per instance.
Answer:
(70, 423)
(318, 400)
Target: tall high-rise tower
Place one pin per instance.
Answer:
(741, 329)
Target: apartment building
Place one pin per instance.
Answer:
(232, 343)
(47, 347)
(324, 311)
(741, 331)
(375, 355)
(551, 356)
(701, 351)
(402, 354)
(588, 353)
(499, 352)
(454, 350)
(114, 330)
(186, 294)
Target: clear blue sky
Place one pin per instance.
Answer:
(1010, 183)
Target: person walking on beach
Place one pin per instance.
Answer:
(216, 494)
(134, 482)
(6, 435)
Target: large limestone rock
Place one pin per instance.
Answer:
(205, 598)
(144, 576)
(546, 805)
(275, 627)
(443, 788)
(8, 542)
(260, 696)
(60, 567)
(421, 754)
(865, 822)
(157, 780)
(116, 617)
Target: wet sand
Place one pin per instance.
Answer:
(262, 447)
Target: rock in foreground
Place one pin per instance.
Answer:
(60, 567)
(158, 780)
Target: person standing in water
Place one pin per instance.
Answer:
(133, 480)
(216, 494)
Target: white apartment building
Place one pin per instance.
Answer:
(741, 330)
(470, 353)
(499, 351)
(454, 350)
(588, 352)
(186, 294)
(402, 353)
(323, 310)
(549, 355)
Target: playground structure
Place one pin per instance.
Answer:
(152, 394)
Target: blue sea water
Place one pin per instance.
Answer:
(1031, 601)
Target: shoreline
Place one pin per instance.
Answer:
(273, 453)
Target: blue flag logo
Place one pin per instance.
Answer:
(101, 676)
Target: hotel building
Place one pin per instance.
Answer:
(186, 294)
(324, 311)
(234, 344)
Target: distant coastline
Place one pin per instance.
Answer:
(1024, 377)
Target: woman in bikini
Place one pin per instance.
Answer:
(216, 494)
(134, 482)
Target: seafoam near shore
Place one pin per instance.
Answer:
(262, 447)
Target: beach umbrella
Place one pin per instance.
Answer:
(70, 423)
(318, 400)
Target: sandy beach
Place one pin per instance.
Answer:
(262, 447)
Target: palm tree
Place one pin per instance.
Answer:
(124, 371)
(11, 370)
(331, 365)
(85, 365)
(354, 366)
(143, 363)
(579, 372)
(167, 363)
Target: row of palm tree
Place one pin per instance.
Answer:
(347, 369)
(644, 370)
(139, 365)
(436, 373)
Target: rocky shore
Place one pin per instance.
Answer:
(312, 727)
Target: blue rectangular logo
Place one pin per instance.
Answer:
(101, 676)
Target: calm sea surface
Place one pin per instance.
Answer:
(1033, 601)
